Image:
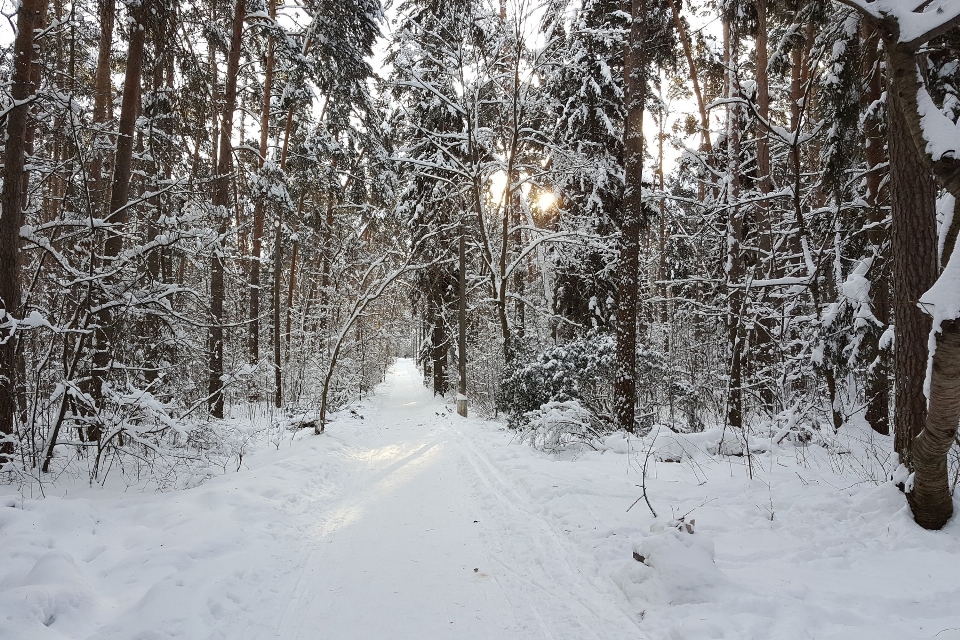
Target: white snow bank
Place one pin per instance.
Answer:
(810, 548)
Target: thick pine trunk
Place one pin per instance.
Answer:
(221, 202)
(922, 443)
(12, 201)
(914, 248)
(632, 218)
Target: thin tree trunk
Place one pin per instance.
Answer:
(735, 277)
(106, 331)
(221, 202)
(12, 201)
(765, 328)
(462, 323)
(632, 217)
(705, 144)
(253, 340)
(292, 284)
(277, 273)
(291, 288)
(325, 268)
(30, 133)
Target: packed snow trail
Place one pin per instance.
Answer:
(405, 520)
(415, 547)
(392, 525)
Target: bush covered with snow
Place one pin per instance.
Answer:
(580, 370)
(583, 370)
(555, 426)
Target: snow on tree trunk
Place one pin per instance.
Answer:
(631, 217)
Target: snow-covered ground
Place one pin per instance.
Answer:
(411, 522)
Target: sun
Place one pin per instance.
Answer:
(546, 200)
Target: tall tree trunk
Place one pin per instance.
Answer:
(705, 143)
(101, 97)
(253, 340)
(735, 276)
(106, 331)
(221, 202)
(914, 248)
(878, 377)
(462, 322)
(326, 265)
(30, 134)
(439, 345)
(12, 201)
(766, 260)
(275, 290)
(292, 280)
(632, 217)
(916, 264)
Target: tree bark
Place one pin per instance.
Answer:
(705, 144)
(259, 210)
(925, 444)
(439, 344)
(914, 248)
(106, 331)
(221, 202)
(766, 261)
(632, 217)
(462, 323)
(735, 276)
(12, 201)
(878, 378)
(930, 498)
(277, 273)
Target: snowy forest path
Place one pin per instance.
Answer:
(428, 541)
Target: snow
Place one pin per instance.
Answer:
(941, 133)
(945, 208)
(415, 523)
(913, 24)
(942, 302)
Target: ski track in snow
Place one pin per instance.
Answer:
(414, 523)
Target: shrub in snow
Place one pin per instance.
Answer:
(580, 370)
(583, 370)
(555, 426)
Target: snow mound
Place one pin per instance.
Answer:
(52, 600)
(683, 563)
